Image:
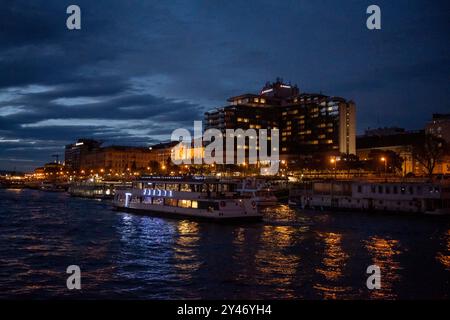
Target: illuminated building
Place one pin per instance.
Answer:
(74, 153)
(50, 171)
(89, 156)
(309, 124)
(398, 141)
(187, 154)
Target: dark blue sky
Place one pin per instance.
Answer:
(139, 69)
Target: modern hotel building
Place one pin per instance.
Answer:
(310, 124)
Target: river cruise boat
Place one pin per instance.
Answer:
(396, 197)
(187, 197)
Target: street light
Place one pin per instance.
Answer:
(384, 159)
(334, 161)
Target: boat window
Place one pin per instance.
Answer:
(159, 186)
(388, 189)
(158, 201)
(184, 203)
(194, 204)
(411, 190)
(171, 202)
(395, 188)
(172, 187)
(380, 189)
(185, 187)
(373, 189)
(208, 204)
(147, 200)
(359, 189)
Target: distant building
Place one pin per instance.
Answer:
(117, 159)
(439, 126)
(86, 156)
(76, 152)
(309, 124)
(50, 171)
(399, 141)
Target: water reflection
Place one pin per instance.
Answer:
(444, 257)
(385, 254)
(289, 255)
(275, 264)
(186, 255)
(332, 266)
(146, 244)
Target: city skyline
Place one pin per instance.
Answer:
(132, 76)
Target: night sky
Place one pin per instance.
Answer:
(139, 69)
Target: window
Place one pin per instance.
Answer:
(184, 203)
(171, 202)
(147, 200)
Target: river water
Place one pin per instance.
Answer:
(291, 255)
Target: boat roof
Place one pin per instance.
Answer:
(180, 179)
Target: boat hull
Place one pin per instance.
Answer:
(180, 216)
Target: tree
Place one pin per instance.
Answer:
(428, 151)
(392, 161)
(154, 166)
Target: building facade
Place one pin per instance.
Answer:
(89, 156)
(309, 124)
(439, 126)
(391, 139)
(75, 153)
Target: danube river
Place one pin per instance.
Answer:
(291, 255)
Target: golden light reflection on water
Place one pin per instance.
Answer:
(444, 257)
(274, 265)
(385, 254)
(186, 248)
(332, 266)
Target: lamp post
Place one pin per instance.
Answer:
(384, 159)
(334, 161)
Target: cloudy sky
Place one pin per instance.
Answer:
(139, 69)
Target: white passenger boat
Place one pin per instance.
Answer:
(187, 197)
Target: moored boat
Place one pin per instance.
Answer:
(187, 197)
(398, 197)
